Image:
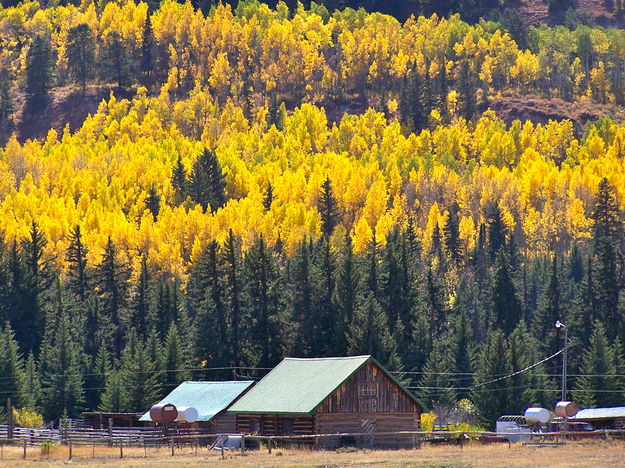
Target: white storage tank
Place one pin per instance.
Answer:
(535, 415)
(186, 414)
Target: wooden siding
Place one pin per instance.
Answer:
(274, 424)
(329, 423)
(370, 390)
(224, 423)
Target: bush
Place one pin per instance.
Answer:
(27, 418)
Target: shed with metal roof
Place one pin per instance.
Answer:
(602, 418)
(210, 399)
(305, 396)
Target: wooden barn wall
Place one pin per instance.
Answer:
(387, 396)
(224, 423)
(329, 423)
(274, 424)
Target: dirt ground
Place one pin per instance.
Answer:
(573, 455)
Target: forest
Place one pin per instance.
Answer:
(267, 182)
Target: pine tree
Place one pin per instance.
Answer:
(81, 54)
(112, 278)
(348, 296)
(497, 230)
(76, 257)
(543, 325)
(232, 293)
(115, 61)
(147, 53)
(467, 89)
(433, 305)
(175, 359)
(324, 269)
(35, 290)
(585, 308)
(492, 399)
(270, 332)
(139, 376)
(207, 186)
(39, 72)
(99, 375)
(179, 180)
(140, 301)
(30, 385)
(268, 197)
(7, 105)
(369, 334)
(328, 208)
(62, 380)
(11, 366)
(598, 385)
(462, 354)
(451, 237)
(507, 310)
(153, 202)
(114, 396)
(608, 223)
(436, 382)
(302, 300)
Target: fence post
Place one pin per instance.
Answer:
(24, 454)
(242, 443)
(121, 448)
(269, 443)
(93, 450)
(70, 449)
(110, 432)
(172, 447)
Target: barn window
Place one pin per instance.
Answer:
(368, 390)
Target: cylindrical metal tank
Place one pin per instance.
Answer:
(536, 415)
(163, 413)
(566, 409)
(186, 414)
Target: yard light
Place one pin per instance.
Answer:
(564, 356)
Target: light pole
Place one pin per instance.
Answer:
(566, 343)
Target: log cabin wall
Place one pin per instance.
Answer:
(224, 423)
(274, 424)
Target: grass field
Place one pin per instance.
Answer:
(500, 455)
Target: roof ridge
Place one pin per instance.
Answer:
(361, 356)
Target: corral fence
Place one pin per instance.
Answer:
(82, 442)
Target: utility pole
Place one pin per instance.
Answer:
(564, 357)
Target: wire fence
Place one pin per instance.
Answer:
(42, 443)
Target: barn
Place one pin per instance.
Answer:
(602, 418)
(210, 399)
(303, 396)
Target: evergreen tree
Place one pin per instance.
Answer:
(81, 54)
(148, 53)
(467, 89)
(506, 306)
(114, 395)
(369, 334)
(62, 381)
(496, 230)
(139, 377)
(30, 385)
(233, 297)
(207, 186)
(462, 354)
(39, 72)
(598, 385)
(270, 332)
(433, 305)
(543, 325)
(7, 105)
(348, 296)
(268, 197)
(451, 237)
(153, 202)
(303, 306)
(97, 380)
(140, 301)
(324, 270)
(585, 308)
(179, 180)
(11, 366)
(115, 64)
(76, 258)
(491, 399)
(112, 278)
(328, 208)
(175, 359)
(436, 383)
(34, 290)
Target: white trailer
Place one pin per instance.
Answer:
(513, 428)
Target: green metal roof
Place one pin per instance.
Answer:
(208, 398)
(299, 386)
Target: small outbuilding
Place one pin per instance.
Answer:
(328, 396)
(210, 399)
(602, 418)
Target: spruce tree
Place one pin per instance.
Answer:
(302, 300)
(114, 396)
(99, 375)
(30, 385)
(451, 237)
(78, 274)
(207, 185)
(348, 296)
(233, 296)
(369, 334)
(62, 381)
(270, 331)
(543, 325)
(268, 197)
(81, 54)
(462, 354)
(148, 53)
(39, 72)
(139, 376)
(328, 208)
(507, 310)
(179, 180)
(496, 229)
(140, 300)
(176, 359)
(153, 202)
(324, 270)
(7, 104)
(598, 384)
(437, 382)
(11, 366)
(115, 64)
(112, 278)
(433, 306)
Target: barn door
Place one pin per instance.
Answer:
(367, 427)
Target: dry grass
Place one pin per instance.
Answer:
(493, 456)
